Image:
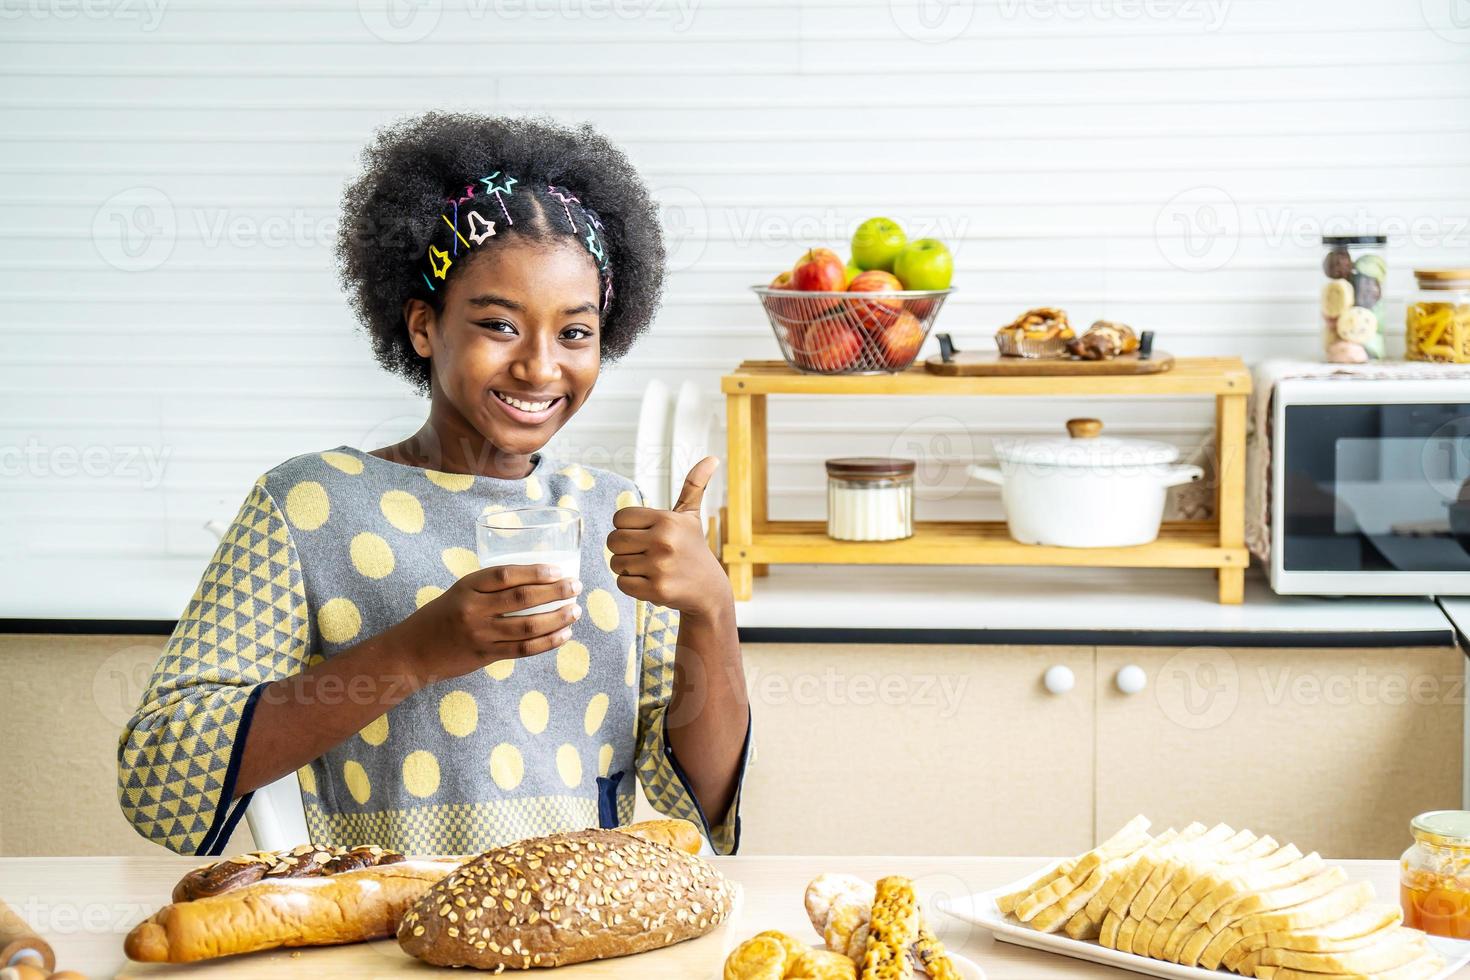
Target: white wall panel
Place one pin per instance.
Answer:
(1072, 153)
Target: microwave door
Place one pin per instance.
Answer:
(1375, 488)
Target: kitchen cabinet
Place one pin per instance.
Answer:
(874, 749)
(1334, 749)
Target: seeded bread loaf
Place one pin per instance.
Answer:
(567, 898)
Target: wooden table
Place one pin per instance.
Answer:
(753, 541)
(84, 906)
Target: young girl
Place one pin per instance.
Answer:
(344, 630)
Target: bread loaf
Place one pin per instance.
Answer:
(567, 898)
(305, 861)
(350, 907)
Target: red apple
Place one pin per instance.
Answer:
(786, 308)
(876, 313)
(819, 270)
(827, 345)
(901, 340)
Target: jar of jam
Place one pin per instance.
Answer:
(1351, 302)
(1438, 316)
(1434, 874)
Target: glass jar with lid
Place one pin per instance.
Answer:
(870, 498)
(1434, 874)
(1351, 303)
(1437, 321)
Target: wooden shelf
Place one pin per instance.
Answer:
(1190, 544)
(753, 542)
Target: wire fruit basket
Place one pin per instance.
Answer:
(851, 333)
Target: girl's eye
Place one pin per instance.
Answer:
(499, 326)
(576, 333)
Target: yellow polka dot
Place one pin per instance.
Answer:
(375, 732)
(604, 759)
(596, 712)
(307, 506)
(307, 778)
(426, 595)
(506, 520)
(628, 498)
(500, 669)
(569, 766)
(572, 661)
(403, 511)
(421, 774)
(533, 488)
(350, 465)
(568, 501)
(338, 620)
(371, 555)
(453, 482)
(631, 673)
(459, 561)
(506, 767)
(603, 609)
(535, 712)
(579, 476)
(458, 713)
(356, 779)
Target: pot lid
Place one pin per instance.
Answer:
(1085, 446)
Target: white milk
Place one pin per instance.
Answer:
(569, 563)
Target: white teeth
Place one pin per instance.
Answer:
(523, 405)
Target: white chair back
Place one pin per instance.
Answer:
(276, 817)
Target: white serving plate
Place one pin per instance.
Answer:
(981, 910)
(651, 446)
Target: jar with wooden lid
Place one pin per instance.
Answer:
(870, 498)
(1434, 874)
(1437, 321)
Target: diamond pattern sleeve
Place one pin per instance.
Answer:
(246, 625)
(663, 779)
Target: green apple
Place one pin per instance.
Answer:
(925, 264)
(853, 270)
(876, 243)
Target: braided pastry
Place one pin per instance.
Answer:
(840, 907)
(304, 861)
(892, 930)
(1103, 341)
(1041, 323)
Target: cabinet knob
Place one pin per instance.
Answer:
(1131, 679)
(1059, 679)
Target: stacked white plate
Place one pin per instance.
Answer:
(675, 431)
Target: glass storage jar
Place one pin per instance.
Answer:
(1437, 321)
(1351, 303)
(870, 498)
(1434, 874)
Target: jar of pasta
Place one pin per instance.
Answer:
(1352, 297)
(1438, 317)
(1434, 874)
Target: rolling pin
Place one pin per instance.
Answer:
(20, 944)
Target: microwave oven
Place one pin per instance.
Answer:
(1370, 487)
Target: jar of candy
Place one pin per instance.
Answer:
(1352, 297)
(1438, 316)
(1434, 874)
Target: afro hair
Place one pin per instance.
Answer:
(413, 168)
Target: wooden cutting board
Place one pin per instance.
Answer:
(697, 958)
(982, 363)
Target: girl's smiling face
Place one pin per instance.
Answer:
(515, 351)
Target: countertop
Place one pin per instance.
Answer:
(1132, 607)
(84, 906)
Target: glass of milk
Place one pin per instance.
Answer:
(533, 536)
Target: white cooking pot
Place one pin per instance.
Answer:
(1085, 491)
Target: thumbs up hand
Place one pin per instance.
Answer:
(661, 555)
